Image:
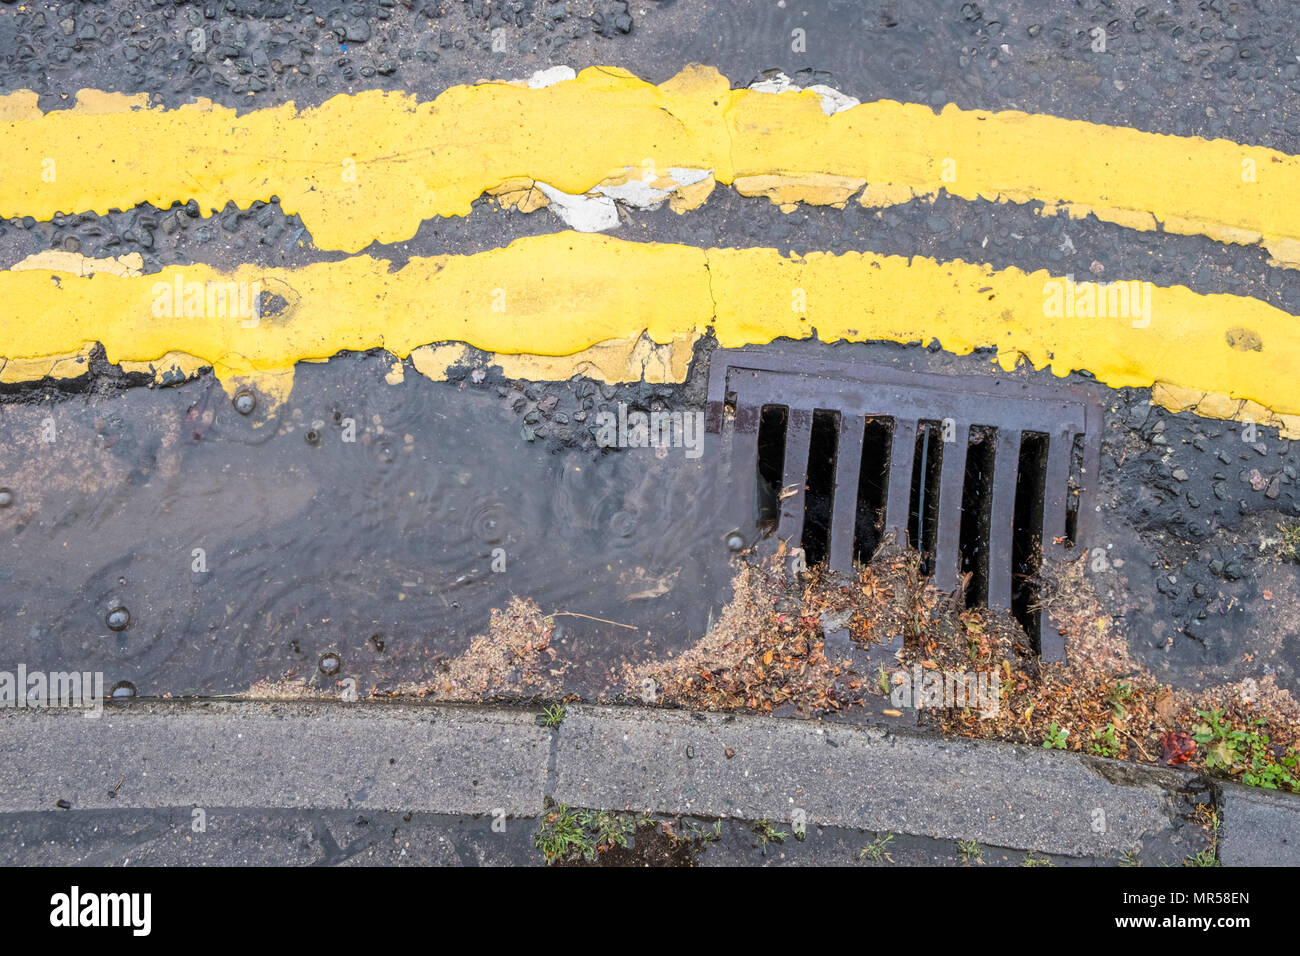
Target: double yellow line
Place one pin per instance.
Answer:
(372, 166)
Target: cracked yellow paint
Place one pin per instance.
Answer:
(787, 191)
(523, 194)
(636, 359)
(173, 365)
(22, 105)
(63, 365)
(618, 360)
(57, 260)
(570, 293)
(371, 166)
(691, 196)
(1212, 405)
(435, 361)
(519, 192)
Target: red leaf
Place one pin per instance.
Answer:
(1177, 747)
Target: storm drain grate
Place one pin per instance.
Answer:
(981, 474)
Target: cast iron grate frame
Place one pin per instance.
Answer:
(742, 382)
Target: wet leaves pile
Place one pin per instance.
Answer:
(1102, 702)
(766, 653)
(513, 659)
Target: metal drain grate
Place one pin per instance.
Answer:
(982, 474)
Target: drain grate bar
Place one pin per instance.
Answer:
(1059, 449)
(947, 556)
(744, 445)
(898, 499)
(1006, 459)
(798, 436)
(844, 510)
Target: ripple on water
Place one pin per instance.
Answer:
(416, 533)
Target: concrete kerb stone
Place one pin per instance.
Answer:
(489, 759)
(1258, 827)
(840, 775)
(253, 754)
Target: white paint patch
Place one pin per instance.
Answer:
(688, 177)
(550, 76)
(597, 211)
(833, 101)
(778, 83)
(636, 193)
(583, 213)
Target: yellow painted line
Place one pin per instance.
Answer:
(570, 294)
(373, 165)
